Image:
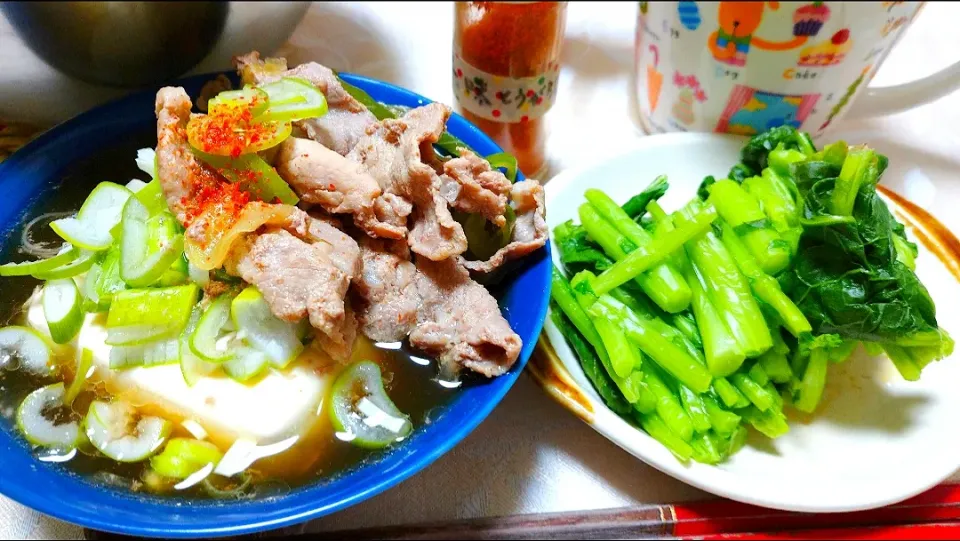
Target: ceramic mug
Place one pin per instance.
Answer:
(745, 67)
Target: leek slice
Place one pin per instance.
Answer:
(361, 410)
(138, 316)
(62, 309)
(292, 98)
(263, 330)
(26, 347)
(148, 245)
(113, 428)
(34, 419)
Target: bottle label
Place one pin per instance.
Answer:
(504, 99)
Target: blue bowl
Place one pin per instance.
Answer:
(54, 490)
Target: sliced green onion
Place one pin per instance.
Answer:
(246, 363)
(292, 98)
(66, 255)
(103, 282)
(251, 98)
(27, 347)
(62, 309)
(150, 354)
(177, 274)
(34, 419)
(113, 428)
(263, 330)
(192, 367)
(80, 263)
(101, 211)
(84, 369)
(266, 135)
(138, 316)
(254, 175)
(362, 412)
(149, 244)
(209, 341)
(182, 457)
(152, 197)
(506, 161)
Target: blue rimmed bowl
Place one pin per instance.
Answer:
(38, 168)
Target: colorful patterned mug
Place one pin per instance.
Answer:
(744, 67)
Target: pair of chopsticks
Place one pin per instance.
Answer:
(934, 514)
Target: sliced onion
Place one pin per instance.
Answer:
(244, 452)
(147, 161)
(27, 347)
(209, 253)
(107, 427)
(41, 249)
(33, 419)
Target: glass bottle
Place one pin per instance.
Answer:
(506, 61)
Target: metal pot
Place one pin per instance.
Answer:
(130, 44)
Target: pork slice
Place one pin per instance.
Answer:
(181, 174)
(530, 230)
(322, 177)
(346, 120)
(398, 153)
(472, 186)
(387, 290)
(303, 270)
(460, 323)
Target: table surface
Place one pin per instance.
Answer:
(530, 455)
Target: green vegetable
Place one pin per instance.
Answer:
(723, 354)
(147, 354)
(254, 99)
(138, 316)
(776, 199)
(152, 197)
(577, 251)
(619, 235)
(742, 211)
(590, 363)
(669, 408)
(763, 286)
(83, 371)
(657, 429)
(622, 356)
(505, 161)
(667, 354)
(659, 249)
(361, 410)
(731, 397)
(103, 282)
(723, 421)
(636, 206)
(192, 367)
(728, 291)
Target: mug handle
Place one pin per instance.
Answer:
(897, 98)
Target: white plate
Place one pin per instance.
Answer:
(875, 438)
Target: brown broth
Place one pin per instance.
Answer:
(411, 384)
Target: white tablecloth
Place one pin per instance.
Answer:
(530, 455)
